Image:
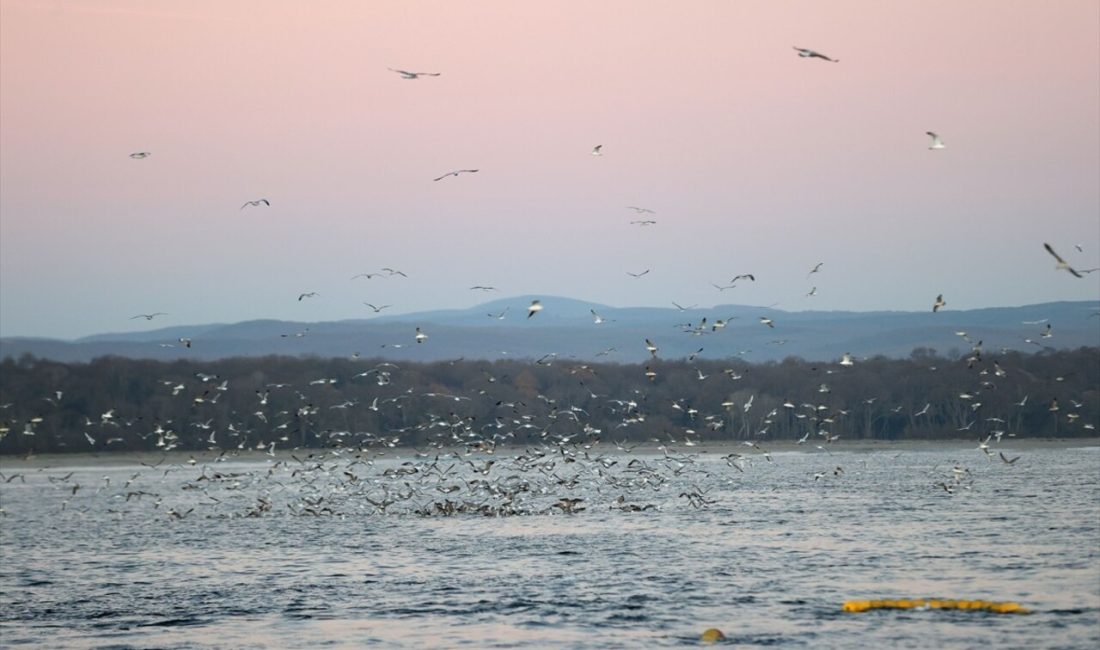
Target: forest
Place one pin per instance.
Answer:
(121, 404)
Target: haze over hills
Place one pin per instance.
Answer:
(566, 328)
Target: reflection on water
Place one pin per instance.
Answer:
(768, 558)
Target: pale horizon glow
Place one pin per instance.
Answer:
(753, 159)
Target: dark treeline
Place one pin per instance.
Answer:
(122, 404)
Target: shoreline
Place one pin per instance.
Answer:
(718, 448)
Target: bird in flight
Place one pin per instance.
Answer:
(1062, 264)
(535, 308)
(811, 54)
(480, 287)
(637, 275)
(767, 321)
(405, 74)
(149, 316)
(256, 203)
(743, 276)
(455, 173)
(815, 269)
(813, 292)
(377, 309)
(420, 336)
(640, 210)
(308, 294)
(596, 150)
(937, 143)
(644, 222)
(138, 155)
(940, 302)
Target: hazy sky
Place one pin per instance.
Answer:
(753, 159)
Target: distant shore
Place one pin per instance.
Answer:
(178, 457)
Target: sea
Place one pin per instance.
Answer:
(598, 546)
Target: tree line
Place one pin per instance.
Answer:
(121, 404)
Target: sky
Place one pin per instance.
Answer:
(753, 159)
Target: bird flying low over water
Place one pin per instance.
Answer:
(536, 307)
(940, 302)
(811, 54)
(138, 155)
(405, 74)
(456, 173)
(420, 336)
(149, 316)
(256, 203)
(937, 143)
(1062, 264)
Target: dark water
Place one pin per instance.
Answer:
(768, 555)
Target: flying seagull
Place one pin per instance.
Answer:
(256, 203)
(743, 276)
(377, 309)
(810, 54)
(640, 210)
(637, 275)
(149, 316)
(308, 294)
(1062, 264)
(405, 74)
(535, 308)
(480, 287)
(644, 222)
(420, 336)
(138, 155)
(596, 150)
(455, 173)
(937, 143)
(940, 302)
(815, 269)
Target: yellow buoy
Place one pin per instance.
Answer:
(936, 603)
(712, 635)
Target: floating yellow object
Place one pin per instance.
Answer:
(921, 603)
(712, 635)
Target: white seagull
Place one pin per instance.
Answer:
(149, 316)
(535, 308)
(405, 74)
(455, 173)
(937, 143)
(138, 155)
(811, 54)
(256, 203)
(596, 150)
(308, 294)
(1062, 264)
(940, 302)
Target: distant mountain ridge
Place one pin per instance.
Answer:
(566, 328)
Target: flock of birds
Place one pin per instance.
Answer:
(467, 468)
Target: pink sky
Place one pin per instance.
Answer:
(755, 160)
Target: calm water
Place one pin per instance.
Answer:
(767, 554)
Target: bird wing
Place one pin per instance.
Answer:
(1051, 251)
